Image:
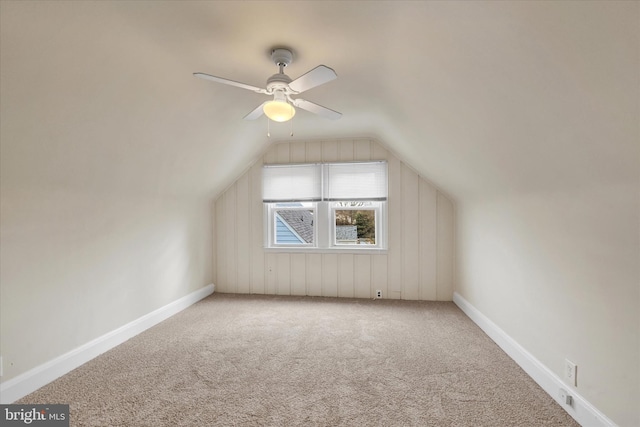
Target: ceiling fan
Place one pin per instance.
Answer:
(282, 88)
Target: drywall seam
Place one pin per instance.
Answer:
(30, 381)
(581, 410)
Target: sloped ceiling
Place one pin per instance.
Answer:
(481, 98)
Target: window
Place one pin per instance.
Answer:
(355, 223)
(293, 224)
(325, 206)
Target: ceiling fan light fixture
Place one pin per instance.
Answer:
(279, 111)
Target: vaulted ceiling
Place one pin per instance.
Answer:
(482, 98)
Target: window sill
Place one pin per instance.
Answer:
(363, 251)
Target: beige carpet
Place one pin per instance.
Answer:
(289, 361)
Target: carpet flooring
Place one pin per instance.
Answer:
(247, 360)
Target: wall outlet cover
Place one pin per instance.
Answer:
(571, 372)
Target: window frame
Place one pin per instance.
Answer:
(375, 205)
(324, 227)
(272, 209)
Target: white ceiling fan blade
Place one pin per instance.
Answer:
(229, 82)
(317, 109)
(316, 77)
(258, 112)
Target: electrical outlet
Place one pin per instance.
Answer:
(571, 372)
(378, 294)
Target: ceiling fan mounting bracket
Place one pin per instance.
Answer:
(281, 56)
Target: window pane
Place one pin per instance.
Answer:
(355, 226)
(294, 227)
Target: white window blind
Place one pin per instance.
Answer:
(329, 182)
(355, 181)
(289, 183)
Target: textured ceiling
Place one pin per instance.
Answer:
(481, 98)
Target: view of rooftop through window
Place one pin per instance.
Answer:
(294, 224)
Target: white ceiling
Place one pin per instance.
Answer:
(482, 98)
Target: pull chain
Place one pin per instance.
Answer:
(269, 126)
(291, 123)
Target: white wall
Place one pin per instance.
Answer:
(558, 271)
(75, 266)
(417, 265)
(99, 222)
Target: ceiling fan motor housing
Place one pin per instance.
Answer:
(278, 81)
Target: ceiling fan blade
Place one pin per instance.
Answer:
(258, 112)
(317, 109)
(316, 77)
(229, 82)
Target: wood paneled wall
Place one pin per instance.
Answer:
(418, 264)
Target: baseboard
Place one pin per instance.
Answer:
(581, 410)
(30, 381)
